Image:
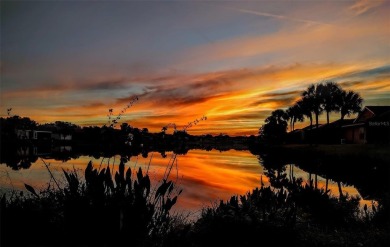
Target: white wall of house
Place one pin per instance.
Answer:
(23, 134)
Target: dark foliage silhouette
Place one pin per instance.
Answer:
(123, 206)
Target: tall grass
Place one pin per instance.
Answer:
(103, 208)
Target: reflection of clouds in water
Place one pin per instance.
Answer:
(210, 176)
(204, 176)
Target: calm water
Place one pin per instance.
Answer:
(205, 176)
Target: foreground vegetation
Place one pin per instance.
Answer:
(101, 209)
(124, 209)
(290, 213)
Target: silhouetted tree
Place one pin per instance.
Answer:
(17, 122)
(294, 114)
(9, 125)
(65, 128)
(275, 126)
(306, 108)
(313, 95)
(290, 115)
(329, 94)
(349, 103)
(125, 128)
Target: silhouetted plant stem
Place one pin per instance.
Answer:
(340, 190)
(171, 165)
(151, 156)
(326, 183)
(51, 174)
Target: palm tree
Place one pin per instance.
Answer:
(349, 103)
(313, 95)
(329, 92)
(294, 114)
(275, 125)
(298, 114)
(305, 108)
(290, 116)
(279, 116)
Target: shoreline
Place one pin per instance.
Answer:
(377, 152)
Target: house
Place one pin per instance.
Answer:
(23, 134)
(39, 135)
(372, 125)
(332, 133)
(304, 135)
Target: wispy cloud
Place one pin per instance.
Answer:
(280, 17)
(363, 6)
(344, 43)
(276, 100)
(371, 72)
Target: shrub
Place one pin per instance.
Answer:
(105, 208)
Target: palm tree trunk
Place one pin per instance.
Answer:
(311, 122)
(293, 125)
(341, 119)
(327, 117)
(311, 130)
(317, 133)
(341, 125)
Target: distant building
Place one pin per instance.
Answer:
(39, 135)
(371, 126)
(23, 134)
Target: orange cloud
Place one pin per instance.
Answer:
(235, 101)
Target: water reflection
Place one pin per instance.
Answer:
(204, 176)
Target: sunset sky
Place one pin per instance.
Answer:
(233, 61)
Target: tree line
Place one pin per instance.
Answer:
(317, 99)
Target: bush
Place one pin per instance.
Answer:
(102, 209)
